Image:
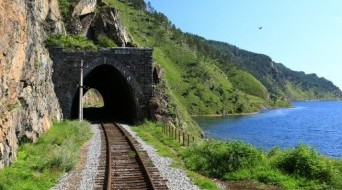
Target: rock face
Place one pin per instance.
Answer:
(85, 20)
(160, 104)
(28, 103)
(108, 23)
(84, 7)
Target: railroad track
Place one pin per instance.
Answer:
(123, 165)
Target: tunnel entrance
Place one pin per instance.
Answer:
(92, 99)
(119, 101)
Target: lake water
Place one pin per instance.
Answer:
(318, 124)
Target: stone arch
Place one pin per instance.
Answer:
(133, 65)
(119, 90)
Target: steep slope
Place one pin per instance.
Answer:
(278, 79)
(196, 80)
(206, 77)
(209, 77)
(27, 99)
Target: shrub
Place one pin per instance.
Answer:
(105, 41)
(216, 158)
(63, 158)
(65, 6)
(39, 165)
(70, 42)
(303, 161)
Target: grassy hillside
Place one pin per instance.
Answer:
(208, 77)
(278, 79)
(196, 80)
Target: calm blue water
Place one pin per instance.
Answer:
(318, 124)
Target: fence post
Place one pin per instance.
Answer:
(183, 138)
(172, 129)
(188, 140)
(179, 139)
(173, 133)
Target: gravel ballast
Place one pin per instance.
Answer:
(94, 152)
(176, 178)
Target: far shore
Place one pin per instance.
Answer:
(223, 115)
(264, 108)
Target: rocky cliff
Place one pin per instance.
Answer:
(27, 100)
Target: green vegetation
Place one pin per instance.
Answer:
(296, 168)
(206, 77)
(65, 7)
(77, 42)
(274, 76)
(215, 159)
(196, 81)
(39, 165)
(70, 42)
(105, 41)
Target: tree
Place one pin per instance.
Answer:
(150, 8)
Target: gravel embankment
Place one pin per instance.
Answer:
(176, 178)
(94, 152)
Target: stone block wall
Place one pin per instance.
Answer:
(135, 64)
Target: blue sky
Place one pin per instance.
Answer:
(304, 35)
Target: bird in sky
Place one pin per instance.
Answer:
(260, 27)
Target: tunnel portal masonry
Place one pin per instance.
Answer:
(123, 76)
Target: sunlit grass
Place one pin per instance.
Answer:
(39, 165)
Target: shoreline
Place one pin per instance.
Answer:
(224, 115)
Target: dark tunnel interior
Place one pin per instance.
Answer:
(119, 100)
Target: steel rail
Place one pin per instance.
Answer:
(108, 160)
(138, 156)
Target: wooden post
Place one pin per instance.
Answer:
(179, 139)
(188, 140)
(183, 138)
(169, 130)
(171, 134)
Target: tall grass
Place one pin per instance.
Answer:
(39, 165)
(297, 168)
(216, 158)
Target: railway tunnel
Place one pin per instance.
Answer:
(123, 77)
(118, 96)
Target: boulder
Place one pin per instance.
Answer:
(84, 7)
(108, 23)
